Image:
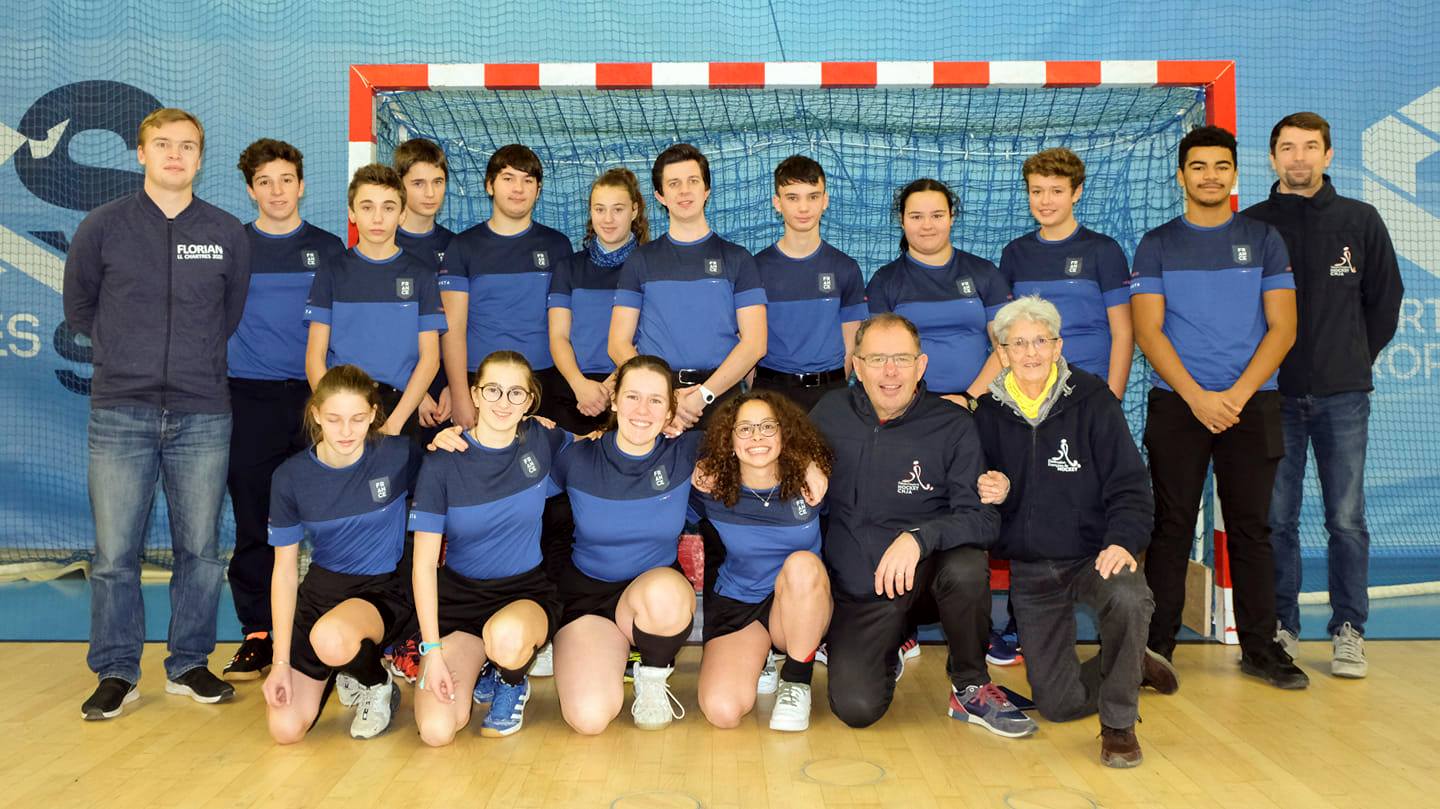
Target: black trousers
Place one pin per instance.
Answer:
(1246, 457)
(866, 632)
(390, 396)
(268, 428)
(805, 397)
(557, 403)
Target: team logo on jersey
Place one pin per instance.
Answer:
(712, 266)
(530, 465)
(541, 259)
(1062, 462)
(966, 287)
(310, 259)
(380, 489)
(1345, 266)
(404, 288)
(913, 483)
(659, 481)
(190, 252)
(800, 508)
(827, 282)
(439, 256)
(1241, 253)
(1074, 264)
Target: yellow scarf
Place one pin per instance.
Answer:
(1030, 407)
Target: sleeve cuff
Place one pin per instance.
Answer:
(317, 314)
(427, 522)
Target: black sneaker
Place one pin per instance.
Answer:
(109, 699)
(250, 660)
(200, 685)
(1275, 667)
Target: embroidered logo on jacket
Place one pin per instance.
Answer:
(800, 508)
(712, 266)
(659, 481)
(1344, 266)
(913, 483)
(541, 259)
(190, 252)
(1062, 462)
(966, 287)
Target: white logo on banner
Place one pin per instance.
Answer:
(1394, 150)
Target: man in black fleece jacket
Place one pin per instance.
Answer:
(157, 280)
(906, 533)
(1078, 515)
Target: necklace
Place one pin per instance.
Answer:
(765, 501)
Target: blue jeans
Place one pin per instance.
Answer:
(1338, 427)
(131, 449)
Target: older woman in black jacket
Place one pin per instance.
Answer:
(1078, 514)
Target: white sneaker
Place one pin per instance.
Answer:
(347, 688)
(770, 675)
(792, 707)
(1288, 640)
(822, 655)
(374, 708)
(1348, 653)
(652, 708)
(544, 662)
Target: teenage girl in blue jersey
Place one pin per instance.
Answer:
(772, 589)
(491, 601)
(348, 494)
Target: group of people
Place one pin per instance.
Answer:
(853, 454)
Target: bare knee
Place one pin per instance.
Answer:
(331, 644)
(287, 728)
(664, 606)
(804, 574)
(590, 720)
(724, 710)
(437, 731)
(506, 644)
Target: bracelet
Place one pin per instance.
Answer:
(279, 662)
(427, 648)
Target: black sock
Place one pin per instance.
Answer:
(366, 667)
(658, 650)
(794, 671)
(515, 676)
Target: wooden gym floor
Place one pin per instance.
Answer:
(1223, 741)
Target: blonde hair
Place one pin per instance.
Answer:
(169, 115)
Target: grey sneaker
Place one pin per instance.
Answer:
(348, 689)
(1287, 640)
(652, 708)
(792, 707)
(770, 675)
(544, 662)
(374, 709)
(986, 706)
(1348, 653)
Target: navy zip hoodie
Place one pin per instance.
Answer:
(158, 298)
(1347, 287)
(916, 472)
(1077, 483)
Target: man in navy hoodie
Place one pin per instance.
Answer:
(1078, 515)
(907, 533)
(157, 280)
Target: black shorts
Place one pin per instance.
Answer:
(582, 595)
(465, 604)
(724, 616)
(323, 590)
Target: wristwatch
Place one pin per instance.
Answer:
(707, 395)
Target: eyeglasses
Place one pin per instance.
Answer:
(879, 360)
(766, 428)
(1020, 345)
(493, 392)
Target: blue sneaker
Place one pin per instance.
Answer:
(1004, 649)
(486, 685)
(986, 705)
(507, 711)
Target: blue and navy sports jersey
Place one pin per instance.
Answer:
(807, 299)
(1083, 275)
(355, 516)
(428, 247)
(759, 532)
(376, 311)
(488, 502)
(629, 510)
(588, 291)
(687, 294)
(269, 343)
(508, 279)
(950, 305)
(1213, 280)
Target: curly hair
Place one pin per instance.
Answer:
(800, 446)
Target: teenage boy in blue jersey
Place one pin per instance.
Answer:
(814, 293)
(1214, 307)
(157, 281)
(424, 171)
(267, 378)
(379, 308)
(495, 280)
(1082, 272)
(690, 297)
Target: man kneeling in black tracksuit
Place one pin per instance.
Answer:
(1078, 514)
(907, 533)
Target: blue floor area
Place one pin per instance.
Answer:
(59, 610)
